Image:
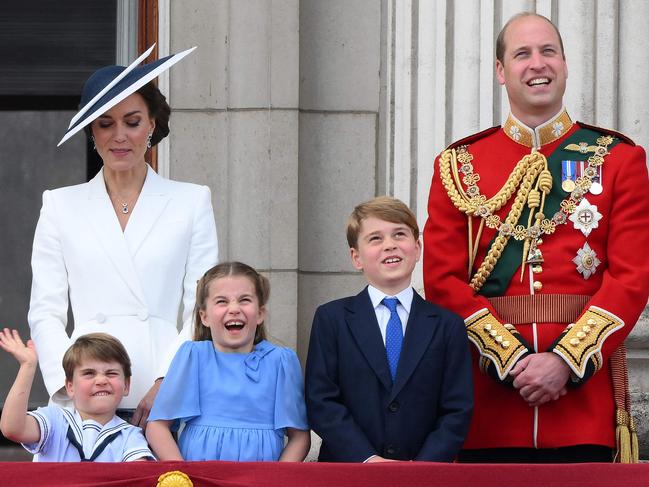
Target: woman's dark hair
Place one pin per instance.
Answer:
(159, 110)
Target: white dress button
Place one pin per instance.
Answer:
(143, 314)
(100, 317)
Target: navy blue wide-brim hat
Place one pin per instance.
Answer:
(109, 85)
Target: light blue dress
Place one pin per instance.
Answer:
(235, 406)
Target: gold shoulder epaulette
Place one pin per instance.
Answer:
(606, 131)
(473, 137)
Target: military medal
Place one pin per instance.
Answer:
(597, 188)
(593, 171)
(585, 217)
(534, 256)
(568, 175)
(586, 261)
(568, 185)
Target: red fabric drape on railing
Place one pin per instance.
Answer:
(229, 474)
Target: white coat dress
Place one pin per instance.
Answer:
(136, 284)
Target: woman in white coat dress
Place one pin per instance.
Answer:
(127, 247)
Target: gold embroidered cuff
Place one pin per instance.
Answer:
(495, 341)
(583, 340)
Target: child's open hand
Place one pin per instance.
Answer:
(11, 342)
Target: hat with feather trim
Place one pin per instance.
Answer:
(109, 85)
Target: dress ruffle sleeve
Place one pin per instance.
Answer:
(178, 397)
(290, 409)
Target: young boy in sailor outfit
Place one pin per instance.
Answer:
(97, 376)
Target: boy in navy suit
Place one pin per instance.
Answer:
(388, 375)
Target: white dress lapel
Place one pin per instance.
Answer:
(151, 203)
(101, 217)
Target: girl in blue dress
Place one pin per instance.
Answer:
(237, 394)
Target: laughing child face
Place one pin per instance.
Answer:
(232, 312)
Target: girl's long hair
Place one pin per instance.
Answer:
(226, 269)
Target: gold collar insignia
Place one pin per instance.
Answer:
(550, 131)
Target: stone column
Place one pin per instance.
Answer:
(340, 61)
(235, 129)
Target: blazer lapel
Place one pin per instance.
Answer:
(419, 332)
(361, 319)
(150, 205)
(101, 217)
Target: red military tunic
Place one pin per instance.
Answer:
(602, 299)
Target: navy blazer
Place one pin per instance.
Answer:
(352, 403)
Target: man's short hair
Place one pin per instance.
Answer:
(500, 40)
(96, 346)
(384, 208)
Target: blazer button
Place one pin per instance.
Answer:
(390, 450)
(393, 406)
(100, 318)
(143, 314)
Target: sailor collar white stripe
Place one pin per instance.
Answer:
(45, 431)
(136, 454)
(74, 424)
(87, 425)
(78, 425)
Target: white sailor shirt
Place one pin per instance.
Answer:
(65, 437)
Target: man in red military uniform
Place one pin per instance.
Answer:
(535, 235)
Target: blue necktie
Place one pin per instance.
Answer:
(393, 335)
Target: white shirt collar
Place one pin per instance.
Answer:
(404, 297)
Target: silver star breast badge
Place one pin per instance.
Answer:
(586, 261)
(585, 217)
